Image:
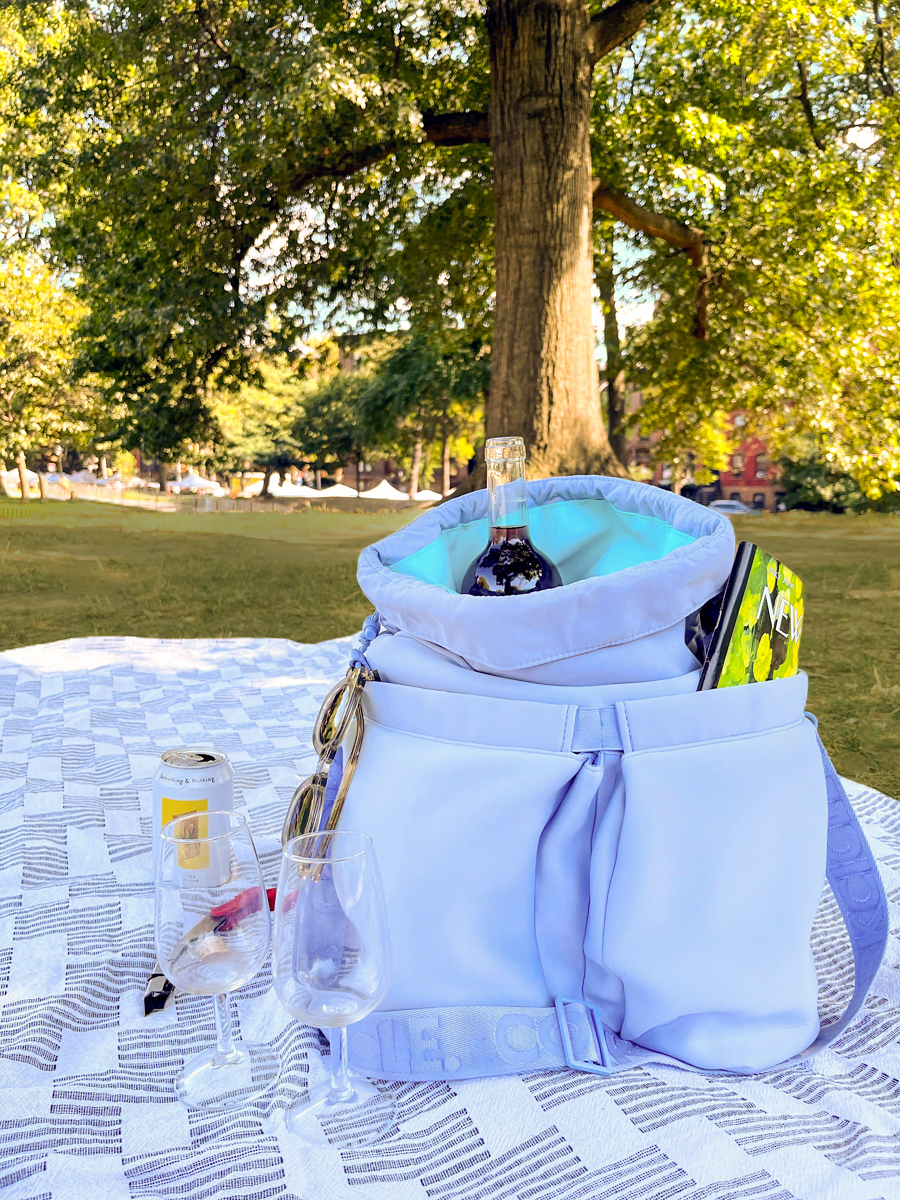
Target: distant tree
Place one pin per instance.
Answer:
(257, 422)
(770, 137)
(40, 405)
(429, 391)
(813, 482)
(124, 464)
(330, 426)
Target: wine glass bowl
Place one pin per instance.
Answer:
(202, 954)
(331, 962)
(213, 931)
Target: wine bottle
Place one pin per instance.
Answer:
(509, 565)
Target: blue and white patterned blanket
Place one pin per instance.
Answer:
(87, 1108)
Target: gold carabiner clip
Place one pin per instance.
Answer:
(336, 716)
(333, 722)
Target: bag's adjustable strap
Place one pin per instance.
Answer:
(853, 875)
(465, 1043)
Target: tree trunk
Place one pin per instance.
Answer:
(615, 375)
(161, 476)
(23, 477)
(415, 469)
(264, 490)
(544, 375)
(42, 487)
(445, 464)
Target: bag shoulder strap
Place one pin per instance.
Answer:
(851, 871)
(470, 1042)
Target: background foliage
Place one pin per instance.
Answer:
(772, 130)
(182, 152)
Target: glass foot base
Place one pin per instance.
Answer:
(217, 1085)
(364, 1117)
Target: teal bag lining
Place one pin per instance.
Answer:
(585, 538)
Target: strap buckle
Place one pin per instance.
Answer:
(606, 1065)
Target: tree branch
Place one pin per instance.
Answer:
(441, 129)
(456, 128)
(806, 104)
(644, 220)
(205, 21)
(682, 237)
(887, 86)
(612, 26)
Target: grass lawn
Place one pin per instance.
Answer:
(79, 569)
(850, 646)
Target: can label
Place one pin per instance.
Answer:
(192, 858)
(193, 781)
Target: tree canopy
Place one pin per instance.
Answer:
(39, 403)
(195, 159)
(227, 176)
(774, 138)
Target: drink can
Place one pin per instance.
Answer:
(193, 781)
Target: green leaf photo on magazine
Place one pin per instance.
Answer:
(765, 641)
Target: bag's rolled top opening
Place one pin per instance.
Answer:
(585, 538)
(634, 559)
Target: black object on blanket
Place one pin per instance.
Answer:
(157, 992)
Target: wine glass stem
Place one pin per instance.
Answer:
(226, 1051)
(341, 1088)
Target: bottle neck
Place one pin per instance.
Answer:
(507, 497)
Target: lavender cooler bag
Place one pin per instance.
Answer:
(587, 861)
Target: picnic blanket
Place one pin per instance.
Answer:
(87, 1107)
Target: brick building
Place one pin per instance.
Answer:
(751, 476)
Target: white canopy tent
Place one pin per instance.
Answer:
(193, 482)
(13, 476)
(337, 489)
(384, 491)
(292, 490)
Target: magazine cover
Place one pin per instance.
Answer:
(758, 634)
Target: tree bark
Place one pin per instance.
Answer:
(161, 476)
(415, 469)
(445, 464)
(615, 375)
(23, 477)
(544, 376)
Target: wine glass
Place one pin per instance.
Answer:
(212, 935)
(331, 961)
